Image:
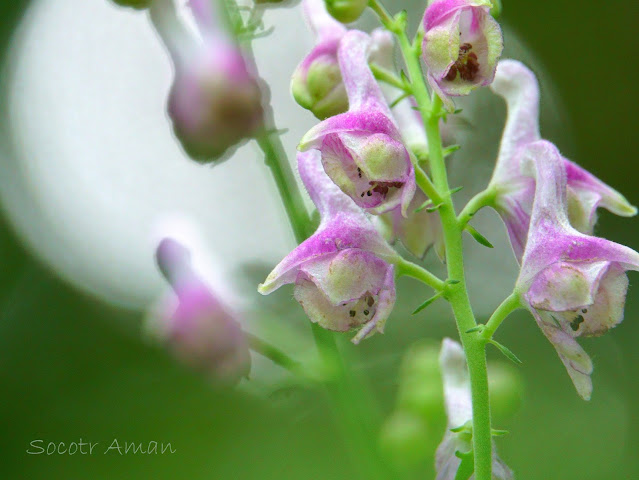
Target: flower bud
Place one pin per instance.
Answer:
(346, 11)
(215, 100)
(506, 390)
(194, 324)
(406, 440)
(317, 82)
(420, 385)
(137, 4)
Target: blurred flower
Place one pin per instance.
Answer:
(515, 190)
(215, 101)
(362, 150)
(317, 82)
(457, 398)
(461, 46)
(573, 284)
(341, 273)
(194, 323)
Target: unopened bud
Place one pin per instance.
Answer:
(506, 389)
(406, 440)
(346, 11)
(420, 384)
(317, 86)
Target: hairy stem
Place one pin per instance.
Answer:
(485, 198)
(275, 355)
(508, 306)
(456, 294)
(410, 269)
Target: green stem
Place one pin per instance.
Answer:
(427, 186)
(509, 305)
(276, 160)
(410, 269)
(272, 353)
(456, 294)
(485, 198)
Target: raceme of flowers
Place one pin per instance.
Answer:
(366, 166)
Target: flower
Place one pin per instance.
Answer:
(194, 323)
(362, 150)
(342, 275)
(458, 403)
(215, 101)
(515, 190)
(317, 81)
(461, 45)
(417, 231)
(574, 284)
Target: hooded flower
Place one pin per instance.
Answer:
(462, 43)
(515, 190)
(417, 231)
(574, 284)
(194, 323)
(341, 273)
(362, 150)
(215, 101)
(317, 82)
(457, 399)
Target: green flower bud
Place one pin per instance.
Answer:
(346, 11)
(420, 385)
(506, 389)
(405, 440)
(319, 87)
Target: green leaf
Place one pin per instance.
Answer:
(456, 189)
(506, 351)
(427, 302)
(423, 206)
(478, 236)
(478, 328)
(450, 150)
(452, 282)
(499, 433)
(399, 99)
(467, 466)
(435, 208)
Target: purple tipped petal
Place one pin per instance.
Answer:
(518, 86)
(462, 43)
(362, 88)
(574, 358)
(343, 226)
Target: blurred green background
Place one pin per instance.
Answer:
(70, 371)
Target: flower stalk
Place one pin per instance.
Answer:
(457, 294)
